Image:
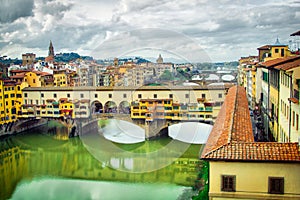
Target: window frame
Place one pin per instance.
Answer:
(273, 186)
(226, 186)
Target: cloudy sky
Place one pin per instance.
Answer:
(194, 30)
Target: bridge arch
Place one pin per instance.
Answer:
(110, 107)
(96, 107)
(124, 107)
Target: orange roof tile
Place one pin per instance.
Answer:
(257, 151)
(232, 139)
(279, 61)
(289, 65)
(265, 47)
(21, 75)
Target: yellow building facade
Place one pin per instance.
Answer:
(60, 78)
(33, 79)
(2, 108)
(152, 109)
(9, 104)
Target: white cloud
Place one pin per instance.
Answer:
(224, 29)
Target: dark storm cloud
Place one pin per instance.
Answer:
(10, 10)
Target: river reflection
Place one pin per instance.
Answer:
(30, 156)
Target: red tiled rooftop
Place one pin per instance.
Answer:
(257, 151)
(265, 47)
(280, 61)
(232, 139)
(20, 75)
(289, 65)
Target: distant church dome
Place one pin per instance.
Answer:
(159, 59)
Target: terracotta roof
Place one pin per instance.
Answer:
(265, 47)
(20, 75)
(257, 151)
(279, 61)
(231, 138)
(289, 65)
(19, 71)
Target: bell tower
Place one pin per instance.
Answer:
(51, 49)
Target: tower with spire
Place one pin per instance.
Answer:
(50, 57)
(51, 49)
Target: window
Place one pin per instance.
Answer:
(171, 96)
(42, 95)
(293, 118)
(282, 53)
(109, 95)
(25, 94)
(81, 95)
(124, 96)
(54, 95)
(265, 77)
(139, 96)
(297, 122)
(68, 95)
(276, 185)
(12, 95)
(154, 96)
(187, 96)
(228, 183)
(37, 102)
(203, 96)
(96, 95)
(220, 95)
(276, 50)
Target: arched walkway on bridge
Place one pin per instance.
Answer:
(97, 107)
(110, 107)
(124, 107)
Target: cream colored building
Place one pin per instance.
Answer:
(289, 109)
(241, 168)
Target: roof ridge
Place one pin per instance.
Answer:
(232, 116)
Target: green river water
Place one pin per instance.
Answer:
(35, 165)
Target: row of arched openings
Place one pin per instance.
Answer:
(111, 107)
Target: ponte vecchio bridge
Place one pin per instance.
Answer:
(172, 103)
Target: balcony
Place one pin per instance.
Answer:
(296, 94)
(295, 98)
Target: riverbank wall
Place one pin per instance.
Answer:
(21, 126)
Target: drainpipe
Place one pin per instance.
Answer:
(290, 115)
(268, 107)
(278, 104)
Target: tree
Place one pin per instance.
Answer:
(166, 76)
